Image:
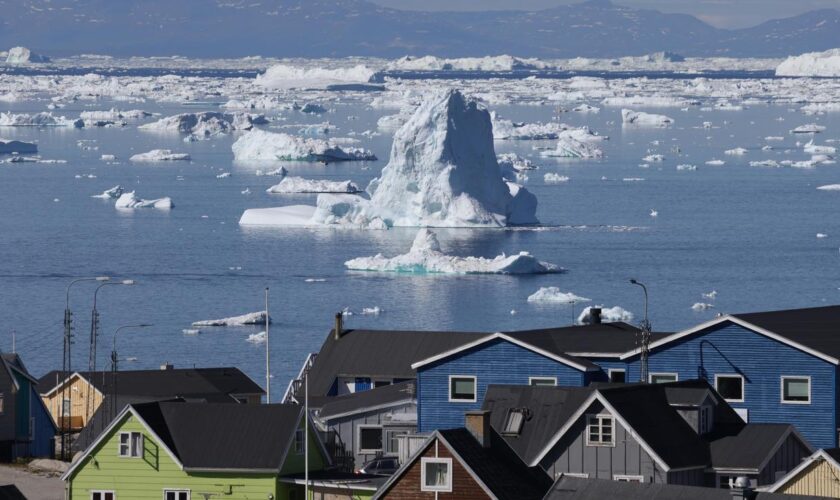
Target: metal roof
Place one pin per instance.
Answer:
(357, 402)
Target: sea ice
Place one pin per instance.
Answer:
(830, 187)
(811, 128)
(701, 306)
(630, 117)
(114, 115)
(256, 318)
(110, 194)
(284, 76)
(205, 125)
(8, 146)
(552, 178)
(553, 295)
(426, 256)
(569, 146)
(823, 64)
(300, 185)
(130, 200)
(815, 149)
(37, 120)
(257, 338)
(259, 145)
(22, 55)
(608, 315)
(160, 155)
(716, 163)
(736, 151)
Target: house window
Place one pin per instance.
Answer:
(513, 422)
(543, 381)
(66, 408)
(600, 430)
(436, 474)
(300, 439)
(176, 494)
(796, 390)
(662, 378)
(705, 419)
(730, 387)
(131, 444)
(462, 389)
(618, 376)
(622, 478)
(392, 440)
(370, 439)
(103, 495)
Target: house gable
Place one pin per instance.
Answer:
(816, 475)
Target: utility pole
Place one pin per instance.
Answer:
(306, 434)
(267, 355)
(644, 338)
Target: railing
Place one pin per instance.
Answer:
(296, 383)
(342, 458)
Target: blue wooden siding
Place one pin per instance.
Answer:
(43, 438)
(495, 362)
(363, 384)
(729, 348)
(606, 364)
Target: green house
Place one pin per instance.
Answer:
(197, 451)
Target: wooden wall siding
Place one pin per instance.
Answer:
(691, 477)
(464, 487)
(347, 428)
(606, 364)
(496, 362)
(78, 393)
(762, 361)
(818, 479)
(43, 439)
(571, 455)
(7, 418)
(786, 458)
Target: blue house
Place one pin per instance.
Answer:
(778, 366)
(26, 428)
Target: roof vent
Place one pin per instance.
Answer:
(167, 366)
(339, 325)
(595, 316)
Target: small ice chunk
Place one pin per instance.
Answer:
(710, 295)
(640, 118)
(108, 158)
(654, 158)
(829, 187)
(736, 151)
(259, 145)
(156, 155)
(608, 315)
(109, 194)
(552, 294)
(701, 306)
(686, 167)
(257, 338)
(372, 311)
(131, 201)
(811, 128)
(191, 331)
(716, 163)
(822, 235)
(300, 185)
(552, 178)
(223, 175)
(255, 318)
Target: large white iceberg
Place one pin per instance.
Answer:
(256, 318)
(630, 117)
(22, 55)
(825, 64)
(37, 120)
(205, 125)
(130, 200)
(426, 256)
(284, 76)
(259, 145)
(443, 172)
(114, 115)
(488, 63)
(570, 145)
(9, 146)
(300, 185)
(160, 155)
(553, 295)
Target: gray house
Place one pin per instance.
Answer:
(680, 433)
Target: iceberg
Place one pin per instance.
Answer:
(205, 125)
(284, 76)
(736, 152)
(259, 145)
(22, 55)
(553, 295)
(110, 194)
(509, 130)
(8, 146)
(815, 149)
(552, 178)
(256, 318)
(569, 146)
(822, 64)
(300, 185)
(630, 117)
(830, 187)
(160, 155)
(488, 63)
(38, 120)
(811, 128)
(257, 338)
(130, 201)
(114, 115)
(608, 315)
(426, 256)
(701, 306)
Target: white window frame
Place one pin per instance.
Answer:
(743, 386)
(598, 417)
(443, 489)
(670, 374)
(367, 451)
(177, 490)
(518, 431)
(475, 389)
(102, 492)
(130, 444)
(616, 370)
(582, 475)
(388, 435)
(782, 389)
(553, 380)
(630, 478)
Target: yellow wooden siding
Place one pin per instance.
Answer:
(818, 479)
(80, 411)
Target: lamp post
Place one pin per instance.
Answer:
(114, 364)
(94, 326)
(267, 355)
(644, 341)
(66, 361)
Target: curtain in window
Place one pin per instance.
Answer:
(136, 444)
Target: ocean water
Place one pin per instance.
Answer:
(747, 232)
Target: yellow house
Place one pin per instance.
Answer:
(817, 475)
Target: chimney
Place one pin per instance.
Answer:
(478, 423)
(595, 316)
(339, 325)
(741, 489)
(167, 366)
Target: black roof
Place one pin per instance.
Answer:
(497, 467)
(359, 401)
(244, 437)
(833, 453)
(745, 446)
(815, 327)
(11, 492)
(104, 415)
(573, 488)
(603, 338)
(203, 383)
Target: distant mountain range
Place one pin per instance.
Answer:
(337, 28)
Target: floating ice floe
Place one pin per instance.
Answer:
(487, 63)
(736, 151)
(822, 235)
(223, 175)
(37, 120)
(553, 295)
(830, 187)
(815, 149)
(205, 125)
(372, 311)
(130, 201)
(655, 101)
(259, 145)
(716, 163)
(654, 158)
(284, 76)
(608, 315)
(810, 128)
(630, 117)
(513, 166)
(255, 318)
(823, 64)
(443, 172)
(569, 145)
(686, 167)
(552, 178)
(114, 115)
(509, 130)
(110, 194)
(22, 55)
(764, 163)
(108, 158)
(820, 107)
(426, 256)
(701, 306)
(710, 295)
(9, 146)
(257, 338)
(300, 185)
(160, 155)
(586, 108)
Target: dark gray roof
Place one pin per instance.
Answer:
(573, 488)
(606, 338)
(745, 446)
(104, 415)
(359, 401)
(816, 327)
(833, 453)
(203, 383)
(245, 437)
(498, 467)
(11, 492)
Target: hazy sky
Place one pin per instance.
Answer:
(721, 13)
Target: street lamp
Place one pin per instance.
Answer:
(67, 361)
(114, 364)
(644, 341)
